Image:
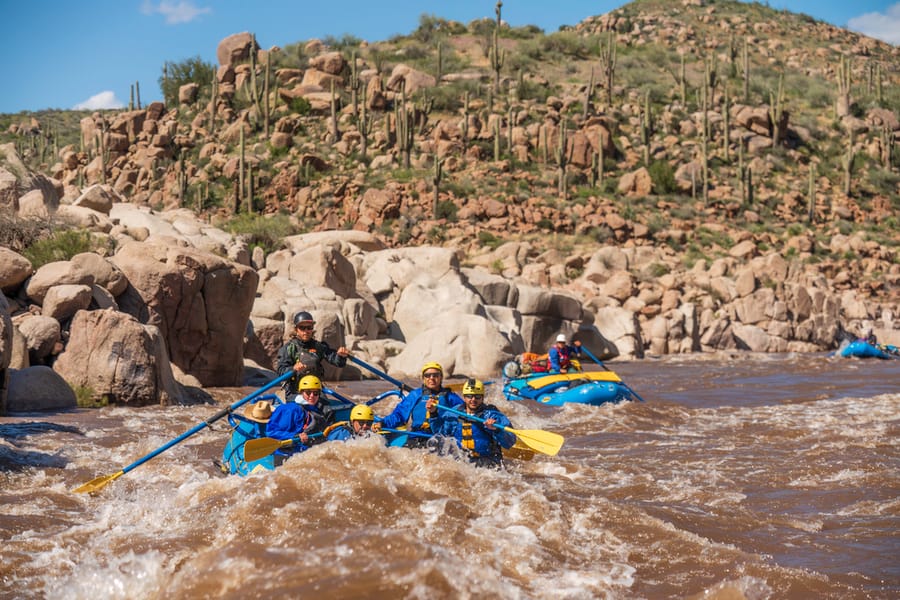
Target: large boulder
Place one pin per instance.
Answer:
(199, 301)
(118, 359)
(38, 388)
(14, 269)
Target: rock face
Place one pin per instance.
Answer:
(118, 359)
(199, 301)
(38, 388)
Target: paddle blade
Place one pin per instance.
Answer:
(263, 447)
(519, 451)
(545, 442)
(98, 483)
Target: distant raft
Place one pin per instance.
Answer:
(863, 349)
(587, 387)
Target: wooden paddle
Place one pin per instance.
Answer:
(545, 442)
(263, 447)
(98, 483)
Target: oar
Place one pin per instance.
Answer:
(380, 373)
(545, 442)
(262, 447)
(98, 483)
(600, 362)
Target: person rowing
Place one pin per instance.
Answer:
(420, 404)
(482, 440)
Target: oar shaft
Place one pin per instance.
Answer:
(208, 422)
(380, 373)
(468, 416)
(600, 362)
(412, 433)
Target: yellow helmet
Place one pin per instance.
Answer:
(362, 412)
(473, 387)
(433, 365)
(310, 382)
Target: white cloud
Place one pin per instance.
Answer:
(174, 12)
(885, 27)
(99, 101)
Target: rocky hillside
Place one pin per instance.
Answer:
(695, 175)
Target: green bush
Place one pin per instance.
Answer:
(446, 210)
(177, 74)
(267, 232)
(663, 176)
(61, 245)
(488, 239)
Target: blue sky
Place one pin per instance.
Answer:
(88, 53)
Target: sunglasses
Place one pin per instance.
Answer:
(312, 392)
(431, 375)
(471, 396)
(305, 327)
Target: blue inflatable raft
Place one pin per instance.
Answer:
(587, 387)
(863, 349)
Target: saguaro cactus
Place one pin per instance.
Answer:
(811, 196)
(847, 160)
(608, 65)
(497, 56)
(562, 160)
(844, 82)
(436, 182)
(776, 111)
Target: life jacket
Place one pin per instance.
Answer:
(468, 435)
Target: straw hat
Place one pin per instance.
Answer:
(259, 411)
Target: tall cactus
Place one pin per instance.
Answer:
(588, 94)
(137, 93)
(240, 196)
(436, 182)
(886, 136)
(335, 131)
(646, 127)
(726, 124)
(464, 125)
(496, 138)
(354, 83)
(497, 56)
(608, 65)
(776, 111)
(405, 127)
(847, 160)
(811, 196)
(745, 60)
(440, 63)
(364, 125)
(844, 84)
(704, 142)
(562, 160)
(266, 114)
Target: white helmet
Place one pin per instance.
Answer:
(561, 338)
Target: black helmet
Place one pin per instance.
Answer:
(301, 317)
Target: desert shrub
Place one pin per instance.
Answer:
(177, 74)
(663, 176)
(446, 210)
(17, 233)
(62, 244)
(266, 232)
(488, 239)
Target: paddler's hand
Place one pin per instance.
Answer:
(343, 352)
(376, 426)
(304, 438)
(431, 405)
(489, 424)
(299, 367)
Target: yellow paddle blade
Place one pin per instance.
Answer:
(261, 448)
(98, 483)
(519, 451)
(545, 442)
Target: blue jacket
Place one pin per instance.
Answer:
(341, 432)
(287, 421)
(559, 361)
(473, 436)
(413, 406)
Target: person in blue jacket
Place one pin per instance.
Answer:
(359, 425)
(421, 404)
(481, 441)
(290, 420)
(561, 353)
